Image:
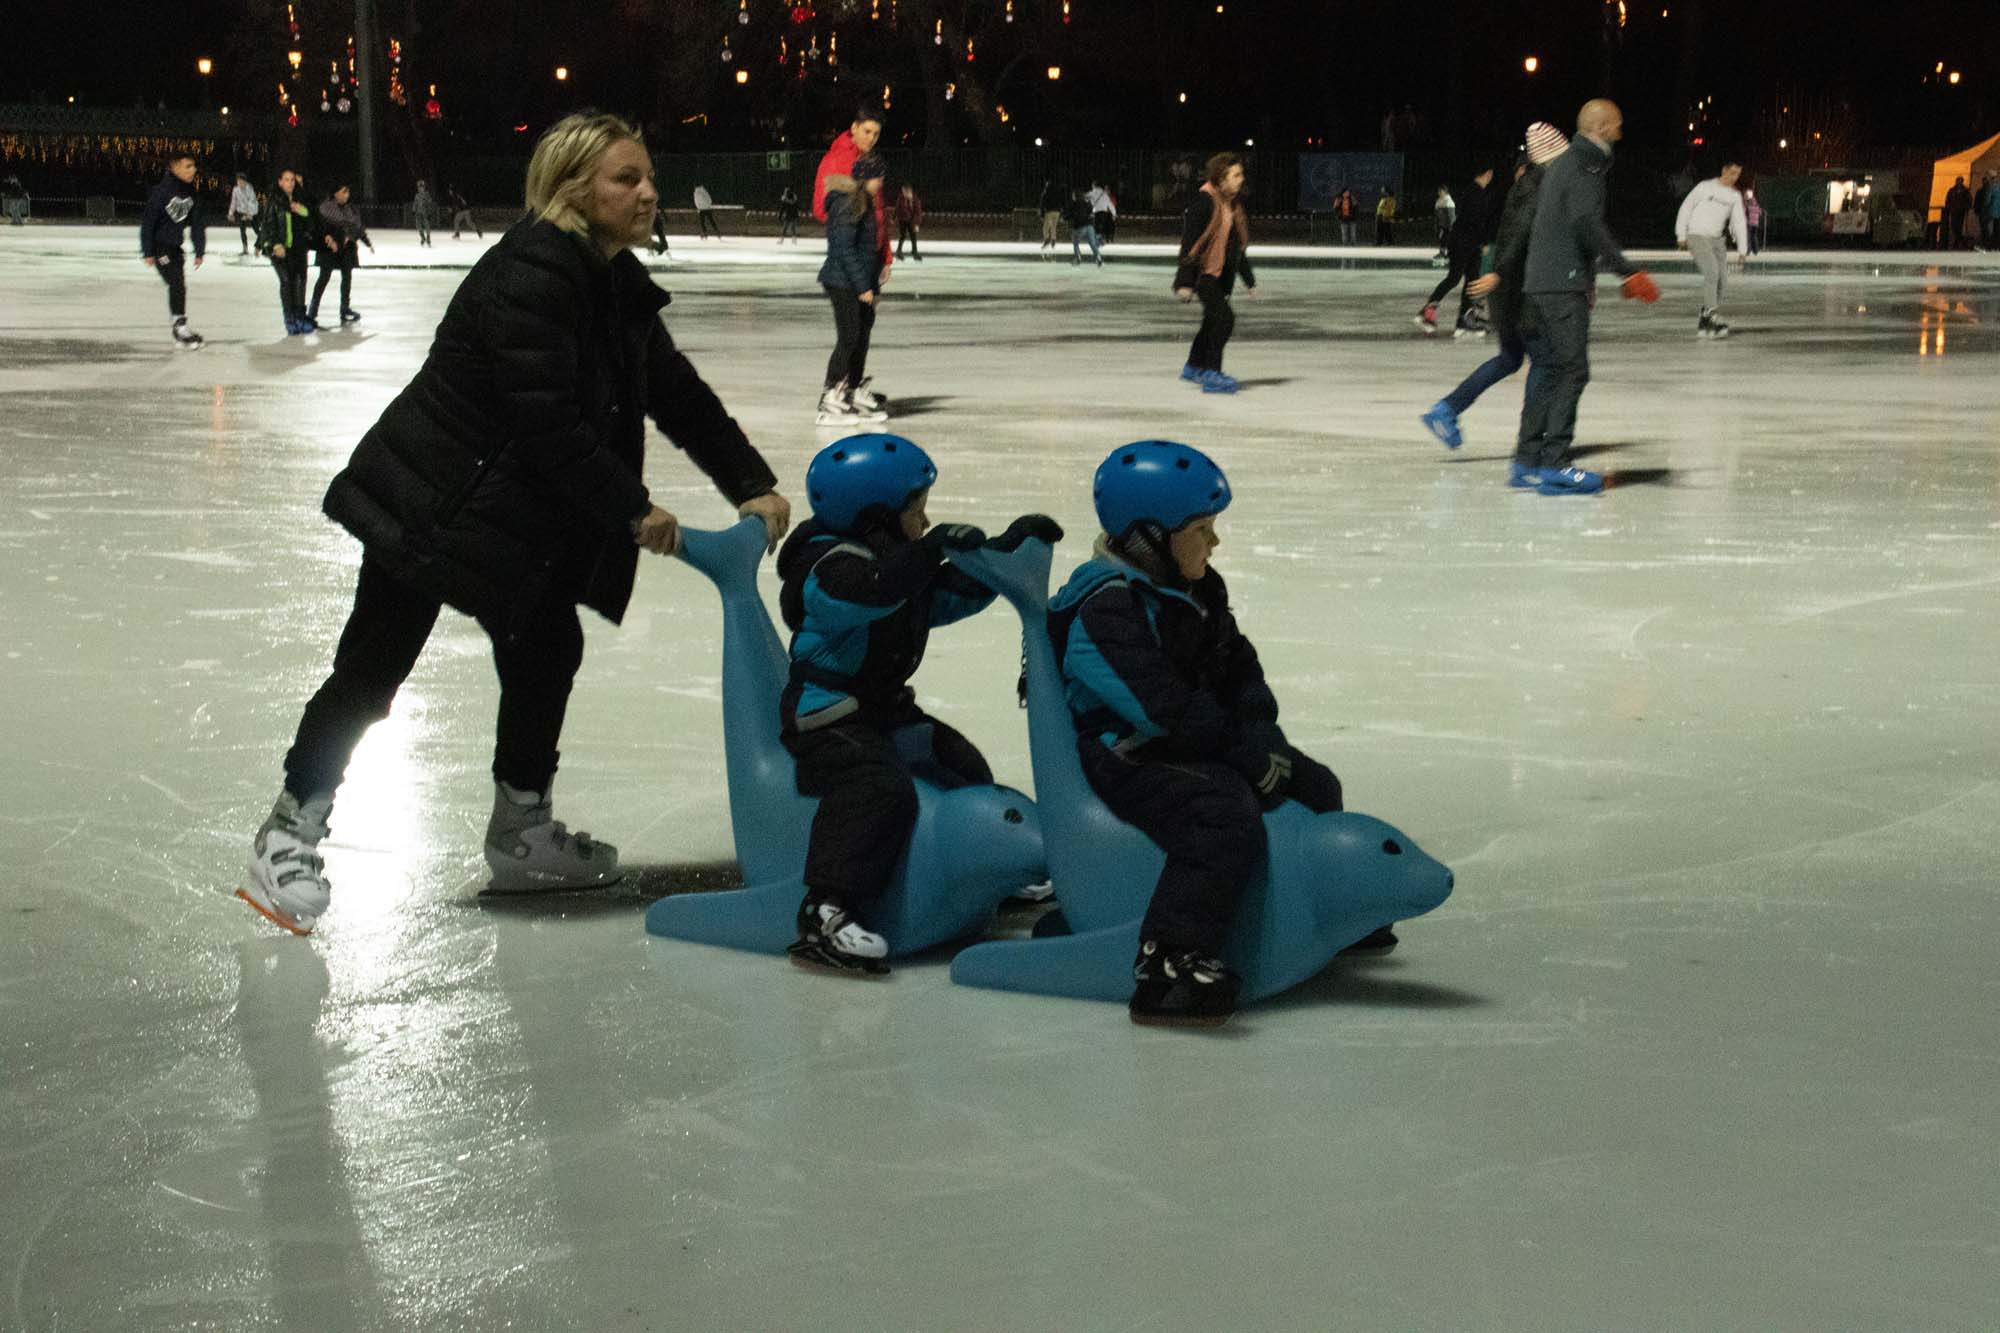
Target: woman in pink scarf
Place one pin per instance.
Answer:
(1214, 235)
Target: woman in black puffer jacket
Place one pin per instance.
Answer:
(505, 482)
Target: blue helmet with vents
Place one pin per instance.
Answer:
(852, 476)
(1157, 481)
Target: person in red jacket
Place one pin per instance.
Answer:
(858, 138)
(909, 219)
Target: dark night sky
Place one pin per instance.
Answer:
(1286, 69)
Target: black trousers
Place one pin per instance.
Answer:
(243, 230)
(906, 232)
(1464, 267)
(708, 223)
(1555, 328)
(1205, 816)
(1218, 321)
(853, 325)
(462, 220)
(863, 774)
(385, 633)
(291, 271)
(1385, 232)
(171, 265)
(319, 289)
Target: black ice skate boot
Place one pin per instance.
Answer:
(1375, 944)
(1181, 990)
(831, 940)
(185, 337)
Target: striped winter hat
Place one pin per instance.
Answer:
(1546, 143)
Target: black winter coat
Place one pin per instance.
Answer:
(509, 469)
(1510, 248)
(853, 250)
(1570, 241)
(1236, 261)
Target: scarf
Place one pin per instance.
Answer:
(1213, 243)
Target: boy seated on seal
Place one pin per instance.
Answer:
(864, 583)
(1177, 731)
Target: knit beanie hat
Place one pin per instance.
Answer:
(1546, 143)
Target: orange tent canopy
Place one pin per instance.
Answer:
(1973, 164)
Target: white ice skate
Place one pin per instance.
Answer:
(867, 399)
(830, 940)
(286, 880)
(835, 410)
(531, 851)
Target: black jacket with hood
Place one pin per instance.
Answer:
(510, 467)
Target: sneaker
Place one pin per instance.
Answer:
(531, 851)
(1570, 481)
(831, 940)
(835, 410)
(867, 399)
(1428, 320)
(185, 337)
(1375, 944)
(1190, 374)
(286, 881)
(1214, 381)
(349, 316)
(1522, 477)
(1181, 989)
(1442, 422)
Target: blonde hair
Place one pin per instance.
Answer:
(559, 174)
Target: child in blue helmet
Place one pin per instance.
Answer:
(864, 582)
(1176, 729)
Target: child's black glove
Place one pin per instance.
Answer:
(1039, 526)
(1266, 764)
(953, 537)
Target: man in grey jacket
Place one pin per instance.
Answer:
(1567, 245)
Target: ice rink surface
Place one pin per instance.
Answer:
(1705, 1037)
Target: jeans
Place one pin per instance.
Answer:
(171, 265)
(291, 271)
(906, 232)
(1491, 371)
(1349, 231)
(853, 324)
(1218, 321)
(1464, 267)
(1080, 237)
(1555, 328)
(708, 223)
(1711, 256)
(319, 289)
(385, 633)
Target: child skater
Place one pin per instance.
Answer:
(1177, 731)
(863, 584)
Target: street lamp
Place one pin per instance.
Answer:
(562, 73)
(1531, 64)
(1055, 72)
(295, 57)
(743, 76)
(1952, 77)
(205, 65)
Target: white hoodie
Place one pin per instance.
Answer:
(1707, 208)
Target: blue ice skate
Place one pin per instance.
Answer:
(1442, 421)
(971, 848)
(1329, 880)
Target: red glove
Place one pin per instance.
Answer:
(1641, 287)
